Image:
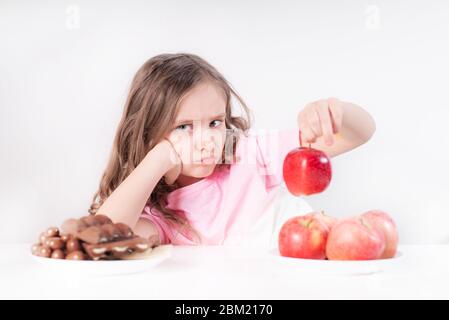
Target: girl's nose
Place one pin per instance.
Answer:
(204, 140)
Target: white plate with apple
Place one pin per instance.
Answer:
(338, 267)
(364, 244)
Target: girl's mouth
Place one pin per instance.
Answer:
(209, 160)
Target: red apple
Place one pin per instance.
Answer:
(303, 237)
(354, 239)
(327, 220)
(385, 224)
(306, 171)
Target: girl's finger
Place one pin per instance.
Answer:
(314, 121)
(175, 155)
(307, 135)
(336, 110)
(326, 123)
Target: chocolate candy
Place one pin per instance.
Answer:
(95, 234)
(105, 233)
(76, 255)
(43, 252)
(124, 230)
(35, 248)
(97, 229)
(96, 220)
(57, 254)
(54, 243)
(74, 226)
(42, 238)
(52, 232)
(116, 249)
(91, 237)
(65, 237)
(72, 245)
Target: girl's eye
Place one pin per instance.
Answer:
(217, 123)
(183, 127)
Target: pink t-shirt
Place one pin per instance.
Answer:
(229, 201)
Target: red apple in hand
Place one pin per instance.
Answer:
(303, 237)
(354, 239)
(327, 220)
(385, 224)
(306, 171)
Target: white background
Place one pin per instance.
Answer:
(66, 66)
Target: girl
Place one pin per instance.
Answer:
(184, 168)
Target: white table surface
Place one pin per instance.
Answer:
(223, 272)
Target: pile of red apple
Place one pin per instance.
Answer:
(372, 235)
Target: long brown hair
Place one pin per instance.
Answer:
(150, 111)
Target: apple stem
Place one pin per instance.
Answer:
(300, 140)
(306, 223)
(365, 224)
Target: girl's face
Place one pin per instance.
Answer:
(199, 131)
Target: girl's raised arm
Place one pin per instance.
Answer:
(126, 202)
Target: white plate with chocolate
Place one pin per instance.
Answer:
(133, 263)
(96, 245)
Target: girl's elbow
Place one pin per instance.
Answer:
(368, 133)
